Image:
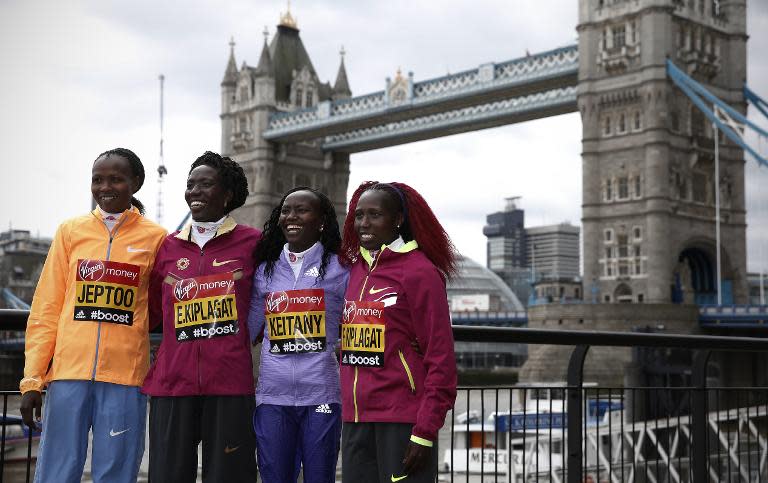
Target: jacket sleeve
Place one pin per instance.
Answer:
(428, 302)
(155, 296)
(43, 321)
(335, 309)
(256, 311)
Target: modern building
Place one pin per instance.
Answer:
(553, 251)
(476, 288)
(521, 256)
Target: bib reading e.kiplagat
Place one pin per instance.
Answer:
(205, 307)
(296, 321)
(362, 334)
(106, 291)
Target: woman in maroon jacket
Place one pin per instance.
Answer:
(398, 371)
(202, 380)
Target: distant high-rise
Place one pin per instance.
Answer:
(518, 254)
(553, 251)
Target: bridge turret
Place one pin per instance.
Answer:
(341, 88)
(228, 86)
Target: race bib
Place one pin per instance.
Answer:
(362, 334)
(106, 291)
(296, 321)
(205, 307)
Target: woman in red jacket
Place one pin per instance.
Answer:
(202, 380)
(398, 371)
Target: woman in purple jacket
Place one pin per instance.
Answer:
(298, 298)
(201, 382)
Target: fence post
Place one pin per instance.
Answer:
(575, 382)
(699, 439)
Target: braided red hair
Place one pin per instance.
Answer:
(419, 224)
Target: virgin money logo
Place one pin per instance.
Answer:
(277, 302)
(350, 310)
(185, 289)
(91, 270)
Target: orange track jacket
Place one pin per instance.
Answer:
(89, 312)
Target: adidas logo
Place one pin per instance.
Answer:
(344, 359)
(80, 315)
(312, 272)
(324, 408)
(275, 349)
(183, 335)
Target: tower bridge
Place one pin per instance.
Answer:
(648, 177)
(523, 89)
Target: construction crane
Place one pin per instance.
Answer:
(161, 169)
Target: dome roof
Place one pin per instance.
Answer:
(475, 279)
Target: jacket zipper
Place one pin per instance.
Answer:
(112, 235)
(197, 343)
(407, 371)
(360, 298)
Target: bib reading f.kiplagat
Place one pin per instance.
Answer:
(362, 334)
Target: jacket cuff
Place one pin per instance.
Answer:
(421, 441)
(31, 384)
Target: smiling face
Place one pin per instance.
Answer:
(206, 196)
(113, 183)
(300, 220)
(377, 219)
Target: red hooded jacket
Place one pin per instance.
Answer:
(392, 301)
(202, 297)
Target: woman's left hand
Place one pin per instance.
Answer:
(416, 458)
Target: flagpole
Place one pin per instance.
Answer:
(717, 212)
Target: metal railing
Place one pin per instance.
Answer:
(576, 432)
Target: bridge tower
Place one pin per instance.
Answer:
(284, 80)
(648, 154)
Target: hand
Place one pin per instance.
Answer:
(31, 400)
(416, 458)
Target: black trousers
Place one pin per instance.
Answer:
(374, 452)
(177, 425)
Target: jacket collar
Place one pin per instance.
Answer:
(397, 246)
(130, 215)
(226, 227)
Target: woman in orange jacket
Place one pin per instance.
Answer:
(87, 335)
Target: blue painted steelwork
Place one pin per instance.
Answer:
(542, 73)
(756, 100)
(733, 316)
(494, 319)
(696, 92)
(12, 301)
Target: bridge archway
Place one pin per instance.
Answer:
(694, 278)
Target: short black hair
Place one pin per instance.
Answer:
(231, 174)
(137, 169)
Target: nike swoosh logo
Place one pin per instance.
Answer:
(114, 433)
(218, 264)
(397, 478)
(134, 250)
(228, 450)
(373, 291)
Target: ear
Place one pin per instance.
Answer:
(228, 199)
(399, 220)
(136, 185)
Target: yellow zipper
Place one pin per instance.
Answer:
(407, 371)
(354, 394)
(360, 298)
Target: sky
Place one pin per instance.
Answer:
(81, 77)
